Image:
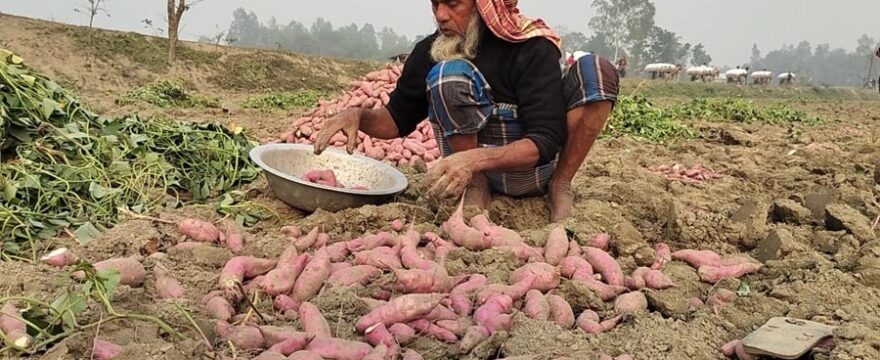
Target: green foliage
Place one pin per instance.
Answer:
(699, 56)
(68, 169)
(636, 116)
(741, 110)
(284, 100)
(145, 51)
(625, 23)
(166, 93)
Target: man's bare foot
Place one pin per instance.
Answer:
(478, 193)
(560, 200)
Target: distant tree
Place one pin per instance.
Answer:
(625, 23)
(92, 8)
(598, 44)
(699, 56)
(574, 41)
(176, 8)
(756, 56)
(665, 46)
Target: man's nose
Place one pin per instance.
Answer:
(441, 14)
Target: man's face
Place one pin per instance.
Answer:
(453, 16)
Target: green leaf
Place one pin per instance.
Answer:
(87, 232)
(49, 107)
(109, 280)
(69, 305)
(99, 192)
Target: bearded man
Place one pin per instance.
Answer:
(506, 119)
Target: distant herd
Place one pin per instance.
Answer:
(708, 74)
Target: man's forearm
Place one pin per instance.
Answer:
(378, 123)
(518, 155)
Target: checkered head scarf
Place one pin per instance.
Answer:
(505, 21)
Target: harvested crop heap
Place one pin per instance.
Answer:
(371, 92)
(408, 292)
(66, 168)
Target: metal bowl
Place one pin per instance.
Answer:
(285, 164)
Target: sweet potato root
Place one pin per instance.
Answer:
(402, 333)
(131, 272)
(312, 321)
(60, 257)
(556, 247)
(473, 337)
(273, 335)
(655, 279)
(382, 257)
(546, 277)
(462, 234)
(630, 302)
(606, 265)
(244, 337)
(714, 274)
(560, 311)
(217, 307)
(662, 255)
(571, 264)
(166, 286)
(536, 306)
(355, 275)
(305, 355)
(339, 349)
(427, 328)
(198, 230)
(698, 258)
(105, 350)
(281, 279)
(402, 309)
(600, 241)
(312, 278)
(497, 235)
(13, 327)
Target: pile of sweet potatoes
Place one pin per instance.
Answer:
(372, 92)
(696, 174)
(411, 292)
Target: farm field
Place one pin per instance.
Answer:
(798, 189)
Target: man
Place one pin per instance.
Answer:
(621, 67)
(490, 82)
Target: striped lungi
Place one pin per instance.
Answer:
(459, 82)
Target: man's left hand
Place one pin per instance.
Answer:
(451, 175)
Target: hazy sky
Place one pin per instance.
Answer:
(727, 28)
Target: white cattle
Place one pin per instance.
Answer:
(738, 76)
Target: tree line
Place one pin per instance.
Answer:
(822, 65)
(321, 38)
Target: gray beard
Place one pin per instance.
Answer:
(456, 46)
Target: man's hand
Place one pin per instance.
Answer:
(348, 122)
(450, 176)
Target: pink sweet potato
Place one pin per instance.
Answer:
(308, 241)
(270, 355)
(636, 281)
(281, 280)
(497, 235)
(569, 265)
(240, 268)
(423, 281)
(729, 348)
(560, 311)
(14, 327)
(742, 354)
(524, 252)
(339, 349)
(609, 324)
(166, 286)
(337, 252)
(441, 313)
(339, 266)
(655, 279)
(291, 345)
(369, 242)
(473, 337)
(312, 321)
(630, 302)
(556, 247)
(604, 291)
(458, 326)
(487, 314)
(409, 255)
(536, 307)
(588, 322)
(198, 230)
(284, 303)
(694, 303)
(305, 355)
(546, 276)
(273, 335)
(244, 337)
(105, 350)
(291, 231)
(606, 265)
(234, 238)
(312, 278)
(516, 291)
(698, 258)
(355, 275)
(714, 274)
(600, 241)
(382, 257)
(379, 334)
(60, 257)
(719, 298)
(402, 333)
(427, 328)
(401, 309)
(372, 303)
(411, 354)
(662, 255)
(378, 353)
(574, 249)
(462, 234)
(131, 272)
(397, 225)
(218, 308)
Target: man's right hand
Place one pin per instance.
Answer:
(347, 121)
